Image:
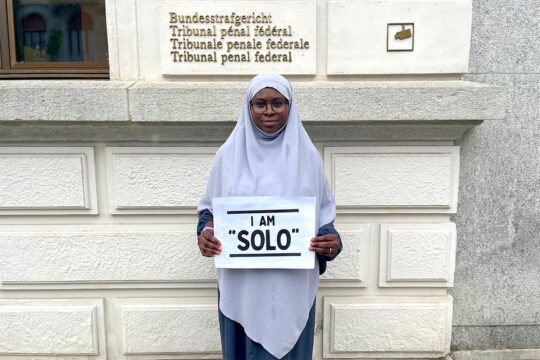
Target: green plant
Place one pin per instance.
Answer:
(53, 43)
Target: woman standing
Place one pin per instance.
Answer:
(269, 313)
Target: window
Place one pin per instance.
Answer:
(46, 38)
(34, 30)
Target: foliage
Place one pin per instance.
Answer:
(53, 43)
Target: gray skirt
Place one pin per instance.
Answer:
(236, 345)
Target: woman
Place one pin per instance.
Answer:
(269, 313)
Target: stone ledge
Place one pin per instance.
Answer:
(402, 101)
(176, 132)
(188, 102)
(325, 101)
(59, 100)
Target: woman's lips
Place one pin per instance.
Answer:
(269, 122)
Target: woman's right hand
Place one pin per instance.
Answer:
(208, 243)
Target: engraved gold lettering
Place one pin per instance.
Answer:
(187, 56)
(283, 44)
(272, 57)
(244, 57)
(232, 18)
(187, 30)
(231, 38)
(188, 44)
(272, 31)
(231, 31)
(243, 45)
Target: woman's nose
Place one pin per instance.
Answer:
(269, 110)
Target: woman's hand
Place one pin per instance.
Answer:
(208, 243)
(326, 245)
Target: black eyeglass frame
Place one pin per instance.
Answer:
(277, 111)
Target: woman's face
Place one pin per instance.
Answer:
(269, 110)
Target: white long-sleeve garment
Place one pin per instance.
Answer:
(271, 304)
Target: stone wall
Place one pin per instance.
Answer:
(97, 217)
(99, 182)
(497, 285)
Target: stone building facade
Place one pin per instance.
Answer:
(432, 155)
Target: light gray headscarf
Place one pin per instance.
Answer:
(272, 305)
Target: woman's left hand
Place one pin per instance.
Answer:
(326, 245)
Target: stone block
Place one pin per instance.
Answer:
(398, 178)
(436, 101)
(120, 254)
(175, 101)
(47, 180)
(72, 327)
(386, 327)
(358, 37)
(63, 100)
(421, 254)
(350, 268)
(123, 23)
(173, 328)
(157, 179)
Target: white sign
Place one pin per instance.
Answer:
(265, 232)
(237, 37)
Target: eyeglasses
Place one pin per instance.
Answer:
(260, 106)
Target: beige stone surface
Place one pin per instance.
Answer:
(394, 177)
(157, 179)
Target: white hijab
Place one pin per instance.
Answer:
(272, 305)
